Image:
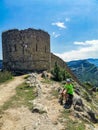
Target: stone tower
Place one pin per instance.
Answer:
(26, 50)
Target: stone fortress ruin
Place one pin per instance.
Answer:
(28, 50)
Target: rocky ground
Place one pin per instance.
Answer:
(46, 112)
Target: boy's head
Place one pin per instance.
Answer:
(68, 81)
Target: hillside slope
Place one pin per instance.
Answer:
(46, 112)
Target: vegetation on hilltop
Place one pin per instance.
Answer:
(5, 75)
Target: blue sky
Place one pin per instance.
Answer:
(72, 24)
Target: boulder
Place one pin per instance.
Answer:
(78, 104)
(92, 116)
(39, 108)
(45, 74)
(77, 91)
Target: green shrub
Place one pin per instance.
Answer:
(4, 76)
(59, 74)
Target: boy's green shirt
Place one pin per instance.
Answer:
(69, 88)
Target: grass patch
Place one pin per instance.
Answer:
(27, 76)
(96, 97)
(73, 125)
(69, 123)
(24, 94)
(47, 81)
(5, 76)
(55, 93)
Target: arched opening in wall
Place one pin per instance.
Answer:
(36, 47)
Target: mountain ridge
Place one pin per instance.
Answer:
(94, 61)
(85, 71)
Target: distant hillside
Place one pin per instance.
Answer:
(93, 61)
(0, 64)
(85, 71)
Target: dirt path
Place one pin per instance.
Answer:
(7, 90)
(22, 118)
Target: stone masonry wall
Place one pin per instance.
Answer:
(26, 50)
(59, 61)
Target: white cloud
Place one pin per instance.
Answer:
(92, 42)
(60, 25)
(79, 43)
(55, 35)
(84, 52)
(67, 19)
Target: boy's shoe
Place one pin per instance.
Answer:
(61, 102)
(66, 106)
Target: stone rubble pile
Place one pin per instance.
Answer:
(33, 81)
(41, 111)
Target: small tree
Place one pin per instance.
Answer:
(56, 72)
(59, 73)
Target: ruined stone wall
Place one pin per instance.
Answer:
(26, 50)
(59, 61)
